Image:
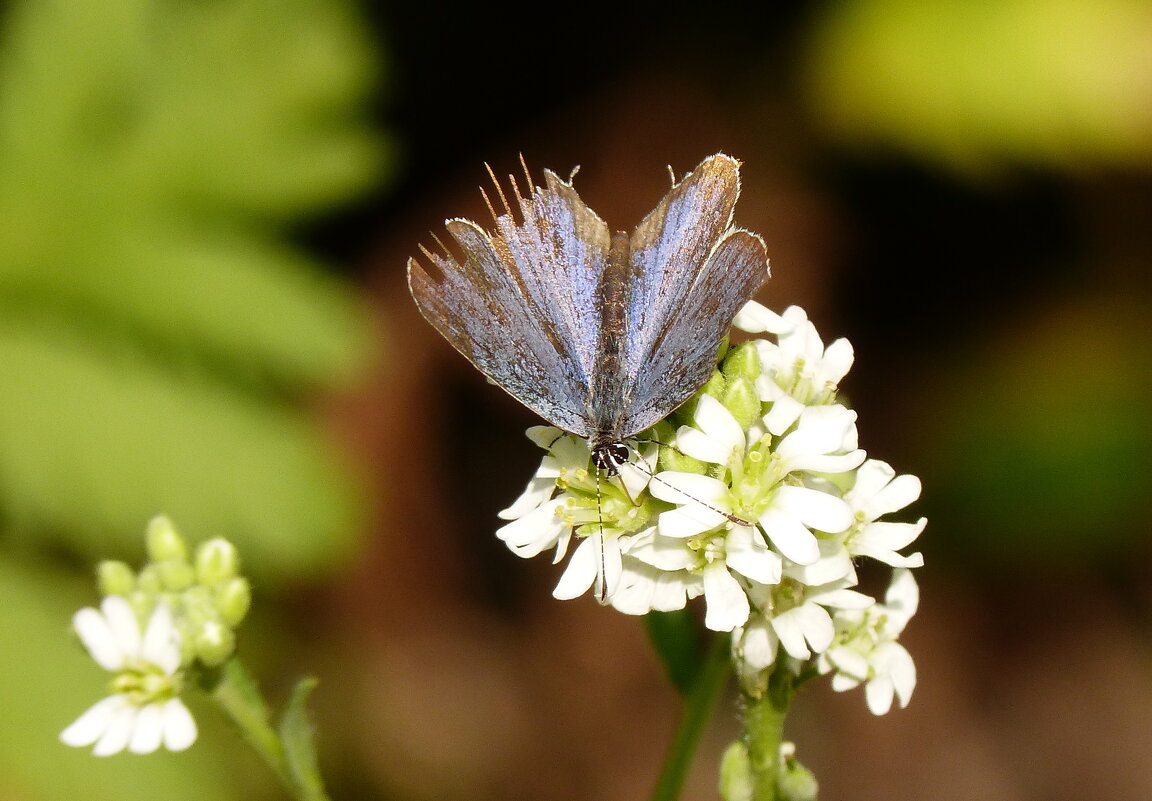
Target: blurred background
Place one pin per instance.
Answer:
(205, 213)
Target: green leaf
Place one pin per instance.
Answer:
(676, 638)
(296, 733)
(158, 332)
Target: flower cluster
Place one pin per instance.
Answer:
(151, 630)
(758, 498)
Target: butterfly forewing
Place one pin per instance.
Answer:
(481, 305)
(601, 335)
(690, 274)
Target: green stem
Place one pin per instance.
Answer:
(697, 709)
(237, 694)
(764, 730)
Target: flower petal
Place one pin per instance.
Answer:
(120, 727)
(790, 536)
(89, 727)
(816, 509)
(580, 573)
(161, 644)
(179, 726)
(747, 554)
(727, 603)
(148, 731)
(97, 636)
(123, 624)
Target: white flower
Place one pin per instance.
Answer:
(878, 491)
(144, 711)
(798, 370)
(867, 650)
(563, 496)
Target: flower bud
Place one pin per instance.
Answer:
(215, 642)
(233, 598)
(216, 561)
(163, 541)
(115, 578)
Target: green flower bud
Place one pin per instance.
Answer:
(115, 578)
(735, 774)
(217, 560)
(672, 459)
(150, 582)
(796, 782)
(215, 642)
(163, 541)
(175, 574)
(233, 598)
(742, 361)
(742, 400)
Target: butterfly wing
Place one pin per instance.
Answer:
(520, 303)
(690, 273)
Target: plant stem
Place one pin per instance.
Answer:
(696, 711)
(764, 729)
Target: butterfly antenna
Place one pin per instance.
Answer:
(600, 589)
(642, 465)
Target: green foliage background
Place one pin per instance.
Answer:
(159, 337)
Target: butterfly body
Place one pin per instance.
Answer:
(602, 334)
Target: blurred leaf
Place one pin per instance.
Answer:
(298, 735)
(676, 638)
(49, 681)
(156, 331)
(979, 85)
(1048, 451)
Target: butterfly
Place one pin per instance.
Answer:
(602, 333)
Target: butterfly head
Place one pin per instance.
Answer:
(610, 455)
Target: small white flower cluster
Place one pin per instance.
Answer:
(189, 609)
(761, 503)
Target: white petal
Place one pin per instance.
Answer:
(821, 430)
(161, 644)
(148, 730)
(747, 554)
(122, 622)
(689, 488)
(544, 436)
(878, 694)
(789, 628)
(672, 591)
(842, 599)
(717, 422)
(88, 728)
(695, 443)
(97, 636)
(534, 532)
(727, 603)
(834, 564)
(816, 509)
(887, 536)
(634, 595)
(758, 645)
(756, 319)
(790, 536)
(900, 492)
(849, 662)
(538, 491)
(179, 726)
(120, 727)
(785, 409)
(581, 571)
(837, 361)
